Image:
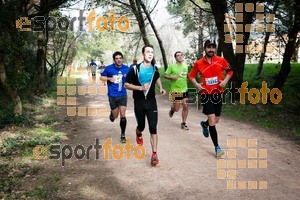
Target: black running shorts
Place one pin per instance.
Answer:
(115, 102)
(212, 104)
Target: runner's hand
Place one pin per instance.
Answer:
(199, 87)
(162, 91)
(223, 84)
(146, 86)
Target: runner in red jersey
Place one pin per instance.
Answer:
(211, 69)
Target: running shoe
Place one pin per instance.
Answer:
(184, 126)
(154, 159)
(171, 113)
(204, 129)
(123, 138)
(219, 152)
(111, 117)
(139, 138)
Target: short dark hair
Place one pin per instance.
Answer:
(147, 45)
(117, 53)
(177, 53)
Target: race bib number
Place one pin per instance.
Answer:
(118, 78)
(212, 81)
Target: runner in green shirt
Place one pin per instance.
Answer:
(177, 73)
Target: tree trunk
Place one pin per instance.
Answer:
(56, 61)
(67, 53)
(136, 9)
(136, 49)
(296, 52)
(292, 35)
(41, 63)
(9, 89)
(263, 53)
(156, 35)
(200, 44)
(237, 61)
(219, 9)
(200, 36)
(241, 57)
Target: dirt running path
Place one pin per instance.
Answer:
(187, 169)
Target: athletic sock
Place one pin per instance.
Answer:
(123, 123)
(206, 123)
(214, 135)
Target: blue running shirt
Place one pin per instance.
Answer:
(116, 89)
(145, 74)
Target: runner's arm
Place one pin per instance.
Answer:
(229, 73)
(105, 78)
(171, 77)
(130, 86)
(168, 74)
(105, 74)
(225, 81)
(161, 89)
(192, 76)
(129, 82)
(196, 84)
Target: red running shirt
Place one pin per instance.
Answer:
(211, 73)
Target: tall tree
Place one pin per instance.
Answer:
(195, 19)
(43, 8)
(137, 11)
(41, 61)
(292, 36)
(156, 34)
(237, 61)
(267, 36)
(296, 51)
(138, 8)
(13, 42)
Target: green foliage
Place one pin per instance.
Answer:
(285, 115)
(11, 174)
(7, 115)
(184, 10)
(13, 143)
(6, 112)
(290, 90)
(49, 187)
(52, 87)
(18, 80)
(60, 48)
(97, 46)
(22, 142)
